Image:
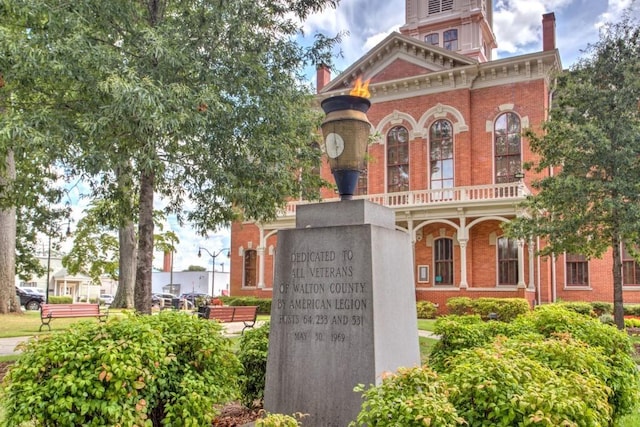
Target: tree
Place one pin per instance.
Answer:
(203, 98)
(591, 202)
(195, 268)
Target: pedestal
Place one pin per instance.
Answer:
(343, 310)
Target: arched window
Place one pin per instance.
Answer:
(443, 261)
(397, 159)
(507, 261)
(441, 157)
(507, 147)
(250, 268)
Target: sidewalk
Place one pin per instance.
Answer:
(8, 345)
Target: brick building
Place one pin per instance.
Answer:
(448, 162)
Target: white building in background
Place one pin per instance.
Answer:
(182, 282)
(61, 283)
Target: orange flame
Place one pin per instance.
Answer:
(361, 89)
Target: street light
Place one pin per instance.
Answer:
(213, 264)
(68, 233)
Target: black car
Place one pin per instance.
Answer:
(30, 301)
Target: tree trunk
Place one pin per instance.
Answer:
(124, 297)
(127, 244)
(618, 307)
(8, 301)
(145, 246)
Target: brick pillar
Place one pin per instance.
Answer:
(548, 31)
(323, 76)
(166, 262)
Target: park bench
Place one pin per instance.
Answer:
(48, 312)
(225, 314)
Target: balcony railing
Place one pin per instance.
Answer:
(513, 191)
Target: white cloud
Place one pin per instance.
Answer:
(615, 8)
(517, 23)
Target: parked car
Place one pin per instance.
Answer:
(34, 291)
(106, 299)
(194, 297)
(163, 300)
(30, 301)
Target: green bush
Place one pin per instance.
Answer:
(507, 309)
(459, 333)
(579, 307)
(60, 299)
(555, 320)
(411, 397)
(632, 310)
(498, 385)
(607, 319)
(601, 308)
(631, 323)
(166, 369)
(279, 420)
(459, 305)
(426, 309)
(253, 349)
(264, 304)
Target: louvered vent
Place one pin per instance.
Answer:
(437, 6)
(434, 6)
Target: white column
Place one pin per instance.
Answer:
(463, 263)
(531, 266)
(521, 283)
(463, 239)
(261, 260)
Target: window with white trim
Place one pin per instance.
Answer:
(507, 148)
(577, 267)
(397, 159)
(507, 261)
(441, 157)
(443, 261)
(250, 268)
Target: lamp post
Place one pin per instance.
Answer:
(213, 256)
(46, 296)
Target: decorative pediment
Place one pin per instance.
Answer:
(399, 57)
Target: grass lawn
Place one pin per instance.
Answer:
(426, 324)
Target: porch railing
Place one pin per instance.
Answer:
(513, 191)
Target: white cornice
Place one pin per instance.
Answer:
(529, 67)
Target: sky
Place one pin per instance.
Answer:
(517, 26)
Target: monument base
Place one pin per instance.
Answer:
(343, 310)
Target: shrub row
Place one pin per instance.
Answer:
(131, 370)
(506, 309)
(60, 299)
(264, 304)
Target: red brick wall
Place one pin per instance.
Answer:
(473, 153)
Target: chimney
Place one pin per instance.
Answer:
(548, 31)
(166, 263)
(323, 76)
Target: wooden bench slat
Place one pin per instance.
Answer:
(49, 312)
(245, 314)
